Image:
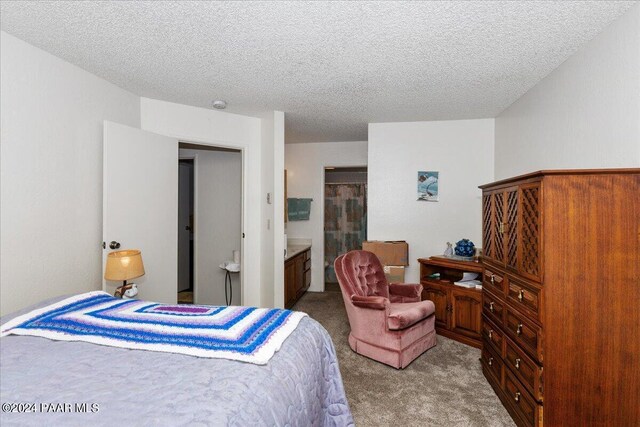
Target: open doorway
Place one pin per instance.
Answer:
(345, 216)
(209, 225)
(185, 230)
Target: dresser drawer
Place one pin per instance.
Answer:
(493, 308)
(526, 334)
(525, 408)
(493, 364)
(524, 297)
(493, 281)
(527, 371)
(492, 335)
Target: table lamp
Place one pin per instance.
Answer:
(123, 265)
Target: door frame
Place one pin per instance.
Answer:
(243, 204)
(193, 157)
(322, 199)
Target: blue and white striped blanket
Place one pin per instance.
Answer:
(247, 334)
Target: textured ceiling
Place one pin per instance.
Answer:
(332, 67)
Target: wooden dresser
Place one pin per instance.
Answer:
(458, 309)
(561, 296)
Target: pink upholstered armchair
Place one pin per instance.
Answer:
(388, 322)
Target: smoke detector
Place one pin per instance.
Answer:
(219, 105)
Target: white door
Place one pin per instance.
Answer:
(140, 206)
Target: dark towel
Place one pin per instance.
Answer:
(299, 209)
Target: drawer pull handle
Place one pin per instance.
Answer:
(517, 363)
(516, 397)
(491, 361)
(493, 279)
(491, 309)
(521, 295)
(491, 334)
(519, 329)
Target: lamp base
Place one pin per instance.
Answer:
(130, 291)
(120, 290)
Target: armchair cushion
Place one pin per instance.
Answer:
(406, 290)
(374, 302)
(403, 315)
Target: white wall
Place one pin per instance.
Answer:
(266, 182)
(200, 125)
(585, 114)
(461, 150)
(51, 173)
(305, 165)
(217, 224)
(272, 183)
(278, 208)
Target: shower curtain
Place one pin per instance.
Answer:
(345, 222)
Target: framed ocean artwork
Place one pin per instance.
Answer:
(428, 186)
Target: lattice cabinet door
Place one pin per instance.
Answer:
(487, 225)
(499, 204)
(531, 231)
(510, 228)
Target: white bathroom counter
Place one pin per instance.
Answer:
(293, 250)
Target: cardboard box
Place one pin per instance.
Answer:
(394, 273)
(394, 253)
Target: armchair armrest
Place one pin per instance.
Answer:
(408, 290)
(374, 302)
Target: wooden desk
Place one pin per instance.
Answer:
(458, 309)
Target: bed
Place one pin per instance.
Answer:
(47, 382)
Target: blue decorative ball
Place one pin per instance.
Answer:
(465, 247)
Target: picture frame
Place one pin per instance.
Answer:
(428, 186)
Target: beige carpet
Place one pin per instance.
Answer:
(443, 387)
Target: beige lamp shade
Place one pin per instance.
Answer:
(124, 265)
